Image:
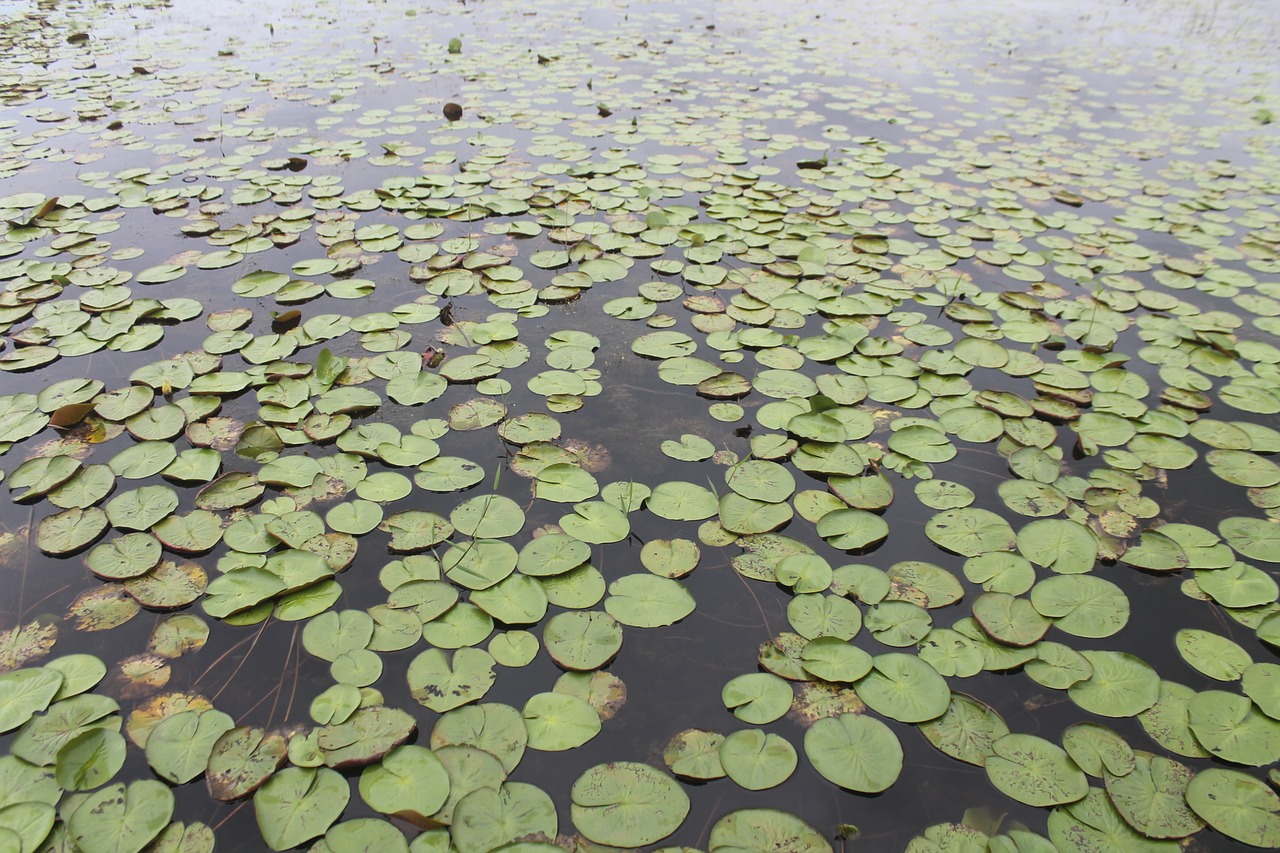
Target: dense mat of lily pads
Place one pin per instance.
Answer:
(270, 351)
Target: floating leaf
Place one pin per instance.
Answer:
(442, 683)
(695, 754)
(757, 698)
(1034, 771)
(298, 804)
(120, 819)
(557, 721)
(409, 782)
(1152, 797)
(647, 601)
(855, 752)
(1237, 805)
(764, 830)
(625, 804)
(179, 748)
(904, 688)
(756, 760)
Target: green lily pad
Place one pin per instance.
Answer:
(648, 601)
(365, 736)
(757, 698)
(680, 501)
(178, 749)
(967, 730)
(490, 818)
(1212, 655)
(757, 760)
(695, 754)
(1064, 546)
(1093, 823)
(1253, 538)
(1009, 619)
(1098, 750)
(905, 688)
(760, 480)
(970, 532)
(852, 529)
(557, 721)
(855, 752)
(71, 530)
(409, 782)
(1231, 727)
(1082, 605)
(90, 759)
(1152, 797)
(1034, 771)
(299, 804)
(625, 804)
(488, 516)
(1237, 805)
(241, 760)
(25, 693)
(1122, 685)
(596, 523)
(1168, 721)
(670, 558)
(120, 819)
(764, 831)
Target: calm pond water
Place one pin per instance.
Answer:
(918, 362)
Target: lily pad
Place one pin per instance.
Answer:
(625, 804)
(1034, 771)
(855, 752)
